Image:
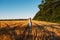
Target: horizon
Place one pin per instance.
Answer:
(18, 9)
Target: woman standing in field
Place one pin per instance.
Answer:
(30, 22)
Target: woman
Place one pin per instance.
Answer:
(30, 22)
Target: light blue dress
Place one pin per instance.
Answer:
(30, 24)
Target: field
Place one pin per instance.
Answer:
(20, 30)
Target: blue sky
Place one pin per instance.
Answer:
(18, 9)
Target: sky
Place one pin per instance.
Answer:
(18, 9)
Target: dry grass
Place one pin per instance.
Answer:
(19, 30)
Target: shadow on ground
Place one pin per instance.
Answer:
(17, 33)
